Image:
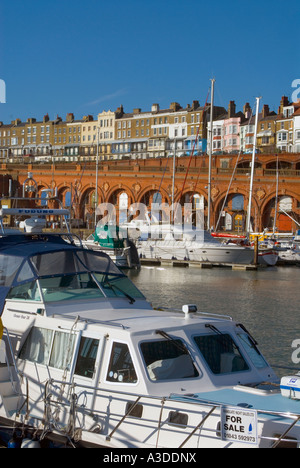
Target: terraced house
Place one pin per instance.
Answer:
(155, 133)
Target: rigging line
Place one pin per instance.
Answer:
(192, 153)
(227, 193)
(231, 180)
(75, 188)
(202, 159)
(162, 178)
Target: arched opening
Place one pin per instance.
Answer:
(243, 166)
(194, 208)
(123, 207)
(282, 165)
(88, 203)
(121, 202)
(151, 196)
(232, 213)
(279, 214)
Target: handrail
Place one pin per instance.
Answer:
(210, 405)
(11, 354)
(19, 374)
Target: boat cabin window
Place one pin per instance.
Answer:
(117, 285)
(86, 359)
(121, 368)
(65, 275)
(221, 353)
(47, 347)
(168, 360)
(9, 266)
(257, 359)
(70, 287)
(25, 292)
(66, 262)
(62, 350)
(37, 346)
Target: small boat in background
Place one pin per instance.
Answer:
(118, 247)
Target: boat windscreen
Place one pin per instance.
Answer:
(9, 266)
(66, 262)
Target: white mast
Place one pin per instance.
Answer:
(252, 167)
(210, 152)
(173, 182)
(276, 198)
(96, 182)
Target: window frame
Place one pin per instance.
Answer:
(53, 331)
(92, 336)
(207, 364)
(134, 362)
(197, 370)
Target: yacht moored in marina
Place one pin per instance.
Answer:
(86, 359)
(195, 246)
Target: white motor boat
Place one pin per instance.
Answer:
(85, 360)
(288, 252)
(200, 247)
(289, 255)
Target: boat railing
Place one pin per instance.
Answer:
(212, 409)
(108, 323)
(197, 313)
(38, 211)
(12, 365)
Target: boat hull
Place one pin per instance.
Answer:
(192, 251)
(268, 257)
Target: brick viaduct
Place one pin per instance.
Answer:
(140, 180)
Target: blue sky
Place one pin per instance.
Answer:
(84, 57)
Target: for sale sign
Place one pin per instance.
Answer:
(239, 425)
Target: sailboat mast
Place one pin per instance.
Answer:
(97, 175)
(210, 152)
(252, 167)
(276, 198)
(173, 182)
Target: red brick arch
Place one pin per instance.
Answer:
(141, 177)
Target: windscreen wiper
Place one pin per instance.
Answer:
(213, 328)
(113, 286)
(176, 342)
(252, 340)
(220, 334)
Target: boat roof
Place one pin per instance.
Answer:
(26, 245)
(112, 311)
(27, 257)
(139, 318)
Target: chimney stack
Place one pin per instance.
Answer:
(231, 109)
(70, 117)
(155, 108)
(283, 103)
(265, 111)
(247, 110)
(174, 106)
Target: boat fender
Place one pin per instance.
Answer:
(30, 443)
(14, 442)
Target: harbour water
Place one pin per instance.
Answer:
(266, 301)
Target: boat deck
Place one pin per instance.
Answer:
(259, 400)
